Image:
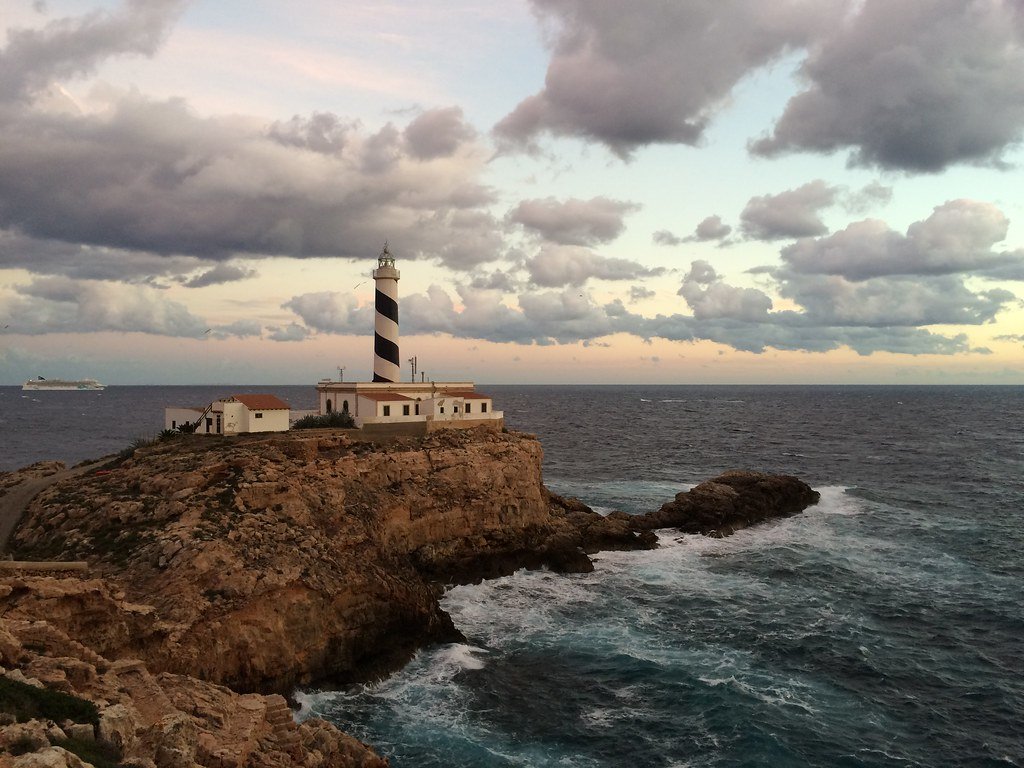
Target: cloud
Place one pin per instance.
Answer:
(665, 237)
(437, 133)
(333, 312)
(219, 274)
(892, 301)
(498, 280)
(574, 222)
(63, 305)
(134, 175)
(239, 328)
(556, 266)
(958, 237)
(789, 214)
(152, 176)
(68, 47)
(709, 297)
(639, 293)
(657, 73)
(711, 228)
(55, 257)
(290, 332)
(739, 317)
(916, 85)
(321, 132)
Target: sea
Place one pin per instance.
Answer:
(882, 627)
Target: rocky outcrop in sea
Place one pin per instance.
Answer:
(232, 568)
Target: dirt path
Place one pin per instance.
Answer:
(16, 500)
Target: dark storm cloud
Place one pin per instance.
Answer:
(219, 274)
(958, 237)
(68, 47)
(143, 176)
(790, 214)
(574, 222)
(557, 266)
(152, 176)
(653, 72)
(915, 85)
(54, 257)
(437, 133)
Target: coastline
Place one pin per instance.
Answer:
(233, 550)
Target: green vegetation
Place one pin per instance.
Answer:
(337, 420)
(100, 755)
(26, 702)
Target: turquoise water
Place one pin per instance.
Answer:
(882, 627)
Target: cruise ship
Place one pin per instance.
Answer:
(39, 383)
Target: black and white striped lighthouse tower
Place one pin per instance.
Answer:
(385, 322)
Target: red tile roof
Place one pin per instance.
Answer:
(383, 396)
(262, 402)
(465, 395)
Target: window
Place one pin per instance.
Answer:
(257, 415)
(405, 410)
(483, 407)
(455, 409)
(328, 405)
(469, 407)
(174, 424)
(417, 409)
(387, 410)
(442, 409)
(344, 406)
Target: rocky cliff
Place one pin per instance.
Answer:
(262, 562)
(266, 562)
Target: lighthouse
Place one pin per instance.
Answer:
(385, 323)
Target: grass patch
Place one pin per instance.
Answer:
(26, 702)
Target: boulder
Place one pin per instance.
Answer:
(729, 502)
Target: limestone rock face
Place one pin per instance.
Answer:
(729, 502)
(265, 562)
(166, 721)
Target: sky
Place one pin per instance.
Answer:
(575, 191)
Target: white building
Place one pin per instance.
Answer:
(430, 405)
(233, 415)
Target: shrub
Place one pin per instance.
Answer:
(26, 702)
(97, 753)
(337, 420)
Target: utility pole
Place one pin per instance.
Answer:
(341, 373)
(412, 362)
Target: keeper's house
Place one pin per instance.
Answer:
(233, 415)
(419, 407)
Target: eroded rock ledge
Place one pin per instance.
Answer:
(264, 562)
